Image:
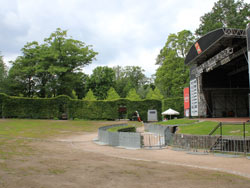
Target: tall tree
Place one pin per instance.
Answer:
(112, 94)
(90, 96)
(52, 68)
(132, 95)
(127, 78)
(172, 75)
(101, 80)
(3, 75)
(225, 13)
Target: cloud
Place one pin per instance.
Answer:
(124, 32)
(189, 17)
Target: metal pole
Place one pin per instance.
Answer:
(244, 136)
(248, 53)
(221, 136)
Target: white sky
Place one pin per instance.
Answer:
(123, 32)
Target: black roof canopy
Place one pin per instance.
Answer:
(214, 42)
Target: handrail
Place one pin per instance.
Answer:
(214, 129)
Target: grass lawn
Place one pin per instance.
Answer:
(204, 128)
(45, 162)
(177, 122)
(11, 130)
(48, 128)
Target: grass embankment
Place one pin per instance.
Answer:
(204, 128)
(194, 127)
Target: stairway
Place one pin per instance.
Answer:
(220, 144)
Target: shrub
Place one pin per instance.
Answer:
(50, 108)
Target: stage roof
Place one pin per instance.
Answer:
(214, 42)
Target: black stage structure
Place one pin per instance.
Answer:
(219, 77)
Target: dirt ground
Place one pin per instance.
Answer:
(76, 161)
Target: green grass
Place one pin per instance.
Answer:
(177, 122)
(48, 128)
(204, 128)
(14, 133)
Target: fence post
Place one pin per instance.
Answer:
(244, 136)
(221, 136)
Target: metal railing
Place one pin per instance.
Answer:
(219, 140)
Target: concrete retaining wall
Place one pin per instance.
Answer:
(157, 129)
(123, 139)
(161, 130)
(130, 140)
(194, 141)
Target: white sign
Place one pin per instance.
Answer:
(194, 97)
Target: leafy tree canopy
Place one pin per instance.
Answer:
(101, 80)
(3, 75)
(90, 96)
(51, 68)
(112, 94)
(172, 75)
(225, 13)
(157, 94)
(150, 93)
(127, 78)
(132, 95)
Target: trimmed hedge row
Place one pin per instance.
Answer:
(49, 108)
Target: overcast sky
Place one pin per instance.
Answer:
(123, 32)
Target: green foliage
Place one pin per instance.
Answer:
(154, 94)
(172, 75)
(143, 106)
(101, 81)
(132, 95)
(128, 128)
(157, 94)
(127, 78)
(174, 103)
(149, 94)
(50, 108)
(112, 94)
(225, 13)
(90, 96)
(52, 68)
(3, 75)
(73, 95)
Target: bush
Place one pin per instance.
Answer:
(50, 108)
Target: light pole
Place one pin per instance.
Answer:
(248, 54)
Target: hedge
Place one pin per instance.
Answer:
(49, 108)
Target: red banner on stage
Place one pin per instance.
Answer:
(186, 98)
(198, 48)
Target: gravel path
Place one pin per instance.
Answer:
(238, 166)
